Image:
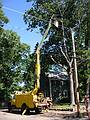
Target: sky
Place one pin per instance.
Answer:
(14, 10)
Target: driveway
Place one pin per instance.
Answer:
(51, 115)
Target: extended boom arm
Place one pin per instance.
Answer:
(38, 55)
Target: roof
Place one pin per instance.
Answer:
(57, 76)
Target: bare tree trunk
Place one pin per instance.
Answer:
(65, 54)
(88, 87)
(71, 77)
(72, 86)
(76, 74)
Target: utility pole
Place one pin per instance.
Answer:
(76, 75)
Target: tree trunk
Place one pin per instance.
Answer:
(88, 87)
(87, 43)
(72, 87)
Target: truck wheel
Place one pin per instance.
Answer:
(38, 110)
(9, 107)
(28, 111)
(23, 109)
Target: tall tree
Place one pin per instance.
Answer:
(12, 57)
(70, 14)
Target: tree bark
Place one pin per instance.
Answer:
(72, 86)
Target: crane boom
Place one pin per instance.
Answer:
(37, 70)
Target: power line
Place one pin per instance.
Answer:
(13, 10)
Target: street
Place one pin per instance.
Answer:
(51, 115)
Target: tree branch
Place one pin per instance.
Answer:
(57, 63)
(64, 39)
(71, 61)
(64, 55)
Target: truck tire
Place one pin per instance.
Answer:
(23, 108)
(9, 107)
(27, 111)
(38, 110)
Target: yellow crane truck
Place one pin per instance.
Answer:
(34, 99)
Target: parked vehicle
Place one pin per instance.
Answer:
(32, 100)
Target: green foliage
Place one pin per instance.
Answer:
(14, 59)
(83, 70)
(8, 40)
(29, 73)
(3, 18)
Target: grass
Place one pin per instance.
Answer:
(62, 106)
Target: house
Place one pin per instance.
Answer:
(55, 84)
(58, 86)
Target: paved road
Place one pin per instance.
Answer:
(51, 115)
